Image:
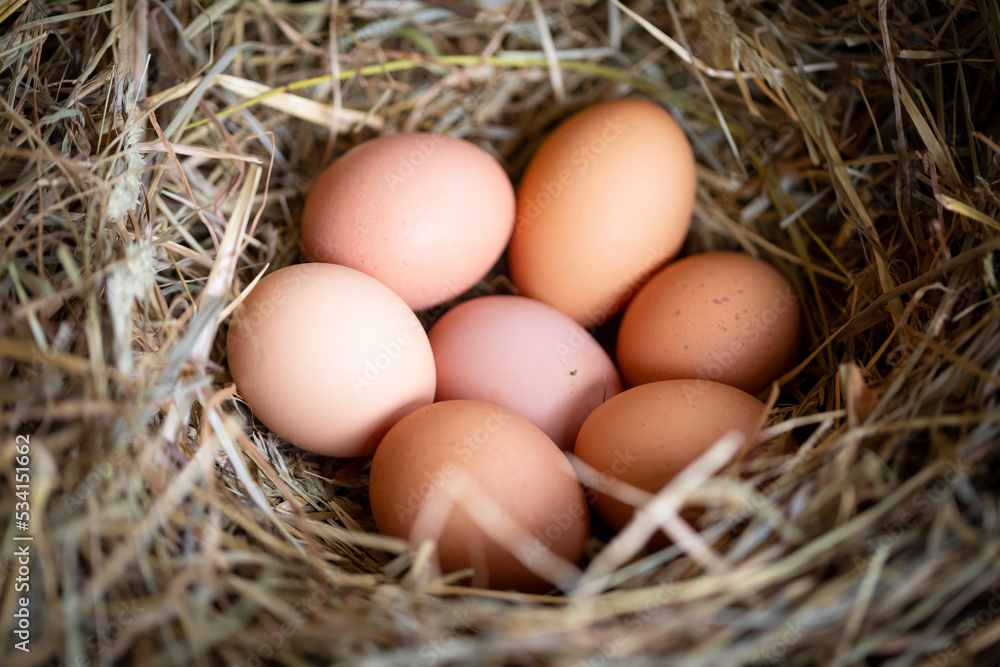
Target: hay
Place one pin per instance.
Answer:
(153, 160)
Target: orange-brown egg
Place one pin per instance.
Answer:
(646, 435)
(487, 485)
(605, 201)
(721, 316)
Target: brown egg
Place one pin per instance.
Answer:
(646, 435)
(329, 358)
(428, 215)
(510, 466)
(605, 201)
(721, 316)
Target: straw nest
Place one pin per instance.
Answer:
(153, 162)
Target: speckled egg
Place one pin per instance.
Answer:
(721, 316)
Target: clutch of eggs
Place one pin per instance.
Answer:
(469, 423)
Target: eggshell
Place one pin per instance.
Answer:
(527, 357)
(475, 450)
(720, 316)
(428, 215)
(605, 201)
(329, 358)
(646, 435)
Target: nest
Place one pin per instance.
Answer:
(153, 163)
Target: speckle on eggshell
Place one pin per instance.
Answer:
(652, 345)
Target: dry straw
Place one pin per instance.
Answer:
(153, 160)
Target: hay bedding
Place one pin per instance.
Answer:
(153, 161)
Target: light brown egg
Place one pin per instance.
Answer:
(428, 215)
(495, 462)
(721, 316)
(646, 435)
(329, 358)
(605, 201)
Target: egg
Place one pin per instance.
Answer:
(498, 493)
(721, 316)
(329, 358)
(525, 356)
(646, 435)
(428, 215)
(605, 201)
